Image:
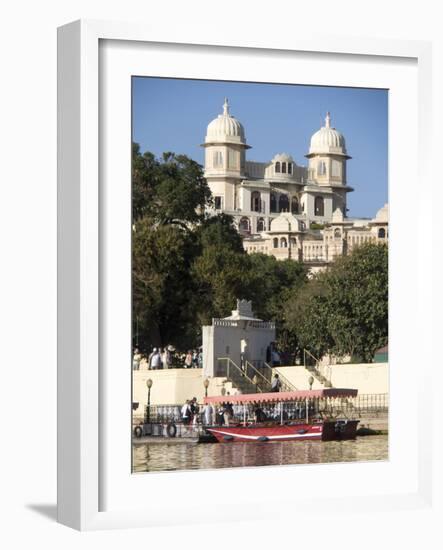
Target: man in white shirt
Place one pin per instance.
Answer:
(186, 412)
(208, 413)
(156, 360)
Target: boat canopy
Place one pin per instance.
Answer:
(277, 397)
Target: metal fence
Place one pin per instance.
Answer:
(290, 410)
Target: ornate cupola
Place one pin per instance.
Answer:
(327, 168)
(225, 128)
(327, 140)
(225, 145)
(327, 156)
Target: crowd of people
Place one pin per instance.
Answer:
(168, 358)
(208, 415)
(225, 414)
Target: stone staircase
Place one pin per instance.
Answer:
(319, 376)
(314, 370)
(247, 379)
(253, 378)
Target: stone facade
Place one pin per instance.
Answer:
(283, 209)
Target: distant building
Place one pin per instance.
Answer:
(283, 209)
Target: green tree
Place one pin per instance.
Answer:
(344, 310)
(219, 230)
(168, 190)
(305, 318)
(162, 288)
(221, 275)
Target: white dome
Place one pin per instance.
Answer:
(327, 140)
(225, 128)
(382, 215)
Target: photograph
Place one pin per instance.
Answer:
(260, 231)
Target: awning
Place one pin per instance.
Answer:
(276, 397)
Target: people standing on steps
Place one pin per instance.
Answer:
(276, 383)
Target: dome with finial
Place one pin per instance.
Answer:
(382, 215)
(327, 140)
(225, 128)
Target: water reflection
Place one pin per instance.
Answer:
(156, 457)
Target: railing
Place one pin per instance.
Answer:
(355, 407)
(241, 378)
(307, 355)
(267, 372)
(314, 369)
(257, 376)
(285, 384)
(238, 323)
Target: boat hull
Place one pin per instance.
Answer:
(322, 431)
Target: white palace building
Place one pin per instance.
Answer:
(283, 209)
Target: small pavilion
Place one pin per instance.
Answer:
(239, 337)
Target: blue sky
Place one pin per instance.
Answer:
(172, 115)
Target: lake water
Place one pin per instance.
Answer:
(155, 457)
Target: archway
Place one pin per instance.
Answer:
(283, 203)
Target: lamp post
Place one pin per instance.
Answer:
(148, 411)
(311, 381)
(206, 384)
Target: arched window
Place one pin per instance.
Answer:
(283, 242)
(218, 159)
(283, 167)
(255, 201)
(275, 242)
(337, 233)
(302, 226)
(336, 168)
(283, 203)
(293, 241)
(273, 203)
(321, 168)
(277, 167)
(319, 206)
(294, 205)
(289, 167)
(381, 233)
(244, 224)
(218, 203)
(260, 224)
(232, 159)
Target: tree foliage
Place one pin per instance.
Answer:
(344, 310)
(170, 190)
(189, 267)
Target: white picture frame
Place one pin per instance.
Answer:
(88, 375)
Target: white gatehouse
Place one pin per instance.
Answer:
(239, 337)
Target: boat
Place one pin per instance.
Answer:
(291, 416)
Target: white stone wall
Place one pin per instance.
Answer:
(173, 387)
(367, 378)
(224, 341)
